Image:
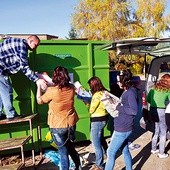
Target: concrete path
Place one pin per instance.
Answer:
(142, 158)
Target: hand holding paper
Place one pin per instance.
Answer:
(82, 94)
(45, 77)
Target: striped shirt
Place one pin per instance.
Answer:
(13, 57)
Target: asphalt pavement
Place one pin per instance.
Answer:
(142, 157)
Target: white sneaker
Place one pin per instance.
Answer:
(165, 155)
(134, 146)
(168, 135)
(154, 151)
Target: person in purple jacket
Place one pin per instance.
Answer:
(123, 124)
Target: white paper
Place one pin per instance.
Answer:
(110, 102)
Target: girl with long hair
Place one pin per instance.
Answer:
(123, 124)
(62, 116)
(98, 120)
(158, 96)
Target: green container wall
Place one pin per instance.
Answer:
(22, 93)
(82, 60)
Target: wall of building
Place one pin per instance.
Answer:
(25, 36)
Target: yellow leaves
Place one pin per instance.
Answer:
(101, 17)
(149, 9)
(150, 14)
(113, 19)
(136, 68)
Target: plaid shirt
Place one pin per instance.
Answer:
(13, 57)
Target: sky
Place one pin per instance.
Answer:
(38, 16)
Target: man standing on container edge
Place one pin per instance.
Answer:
(13, 58)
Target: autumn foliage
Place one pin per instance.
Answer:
(121, 19)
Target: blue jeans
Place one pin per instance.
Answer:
(98, 141)
(119, 140)
(6, 97)
(160, 132)
(64, 138)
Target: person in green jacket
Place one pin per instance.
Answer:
(157, 97)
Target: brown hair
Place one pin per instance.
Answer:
(61, 77)
(95, 84)
(163, 84)
(126, 78)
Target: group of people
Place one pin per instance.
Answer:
(62, 115)
(62, 118)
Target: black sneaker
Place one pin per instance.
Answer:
(2, 117)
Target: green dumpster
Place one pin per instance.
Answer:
(83, 60)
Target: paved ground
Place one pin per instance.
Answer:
(142, 159)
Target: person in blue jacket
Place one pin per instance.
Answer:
(123, 124)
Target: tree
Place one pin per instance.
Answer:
(119, 19)
(101, 19)
(149, 18)
(72, 34)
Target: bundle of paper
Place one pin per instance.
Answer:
(110, 102)
(82, 93)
